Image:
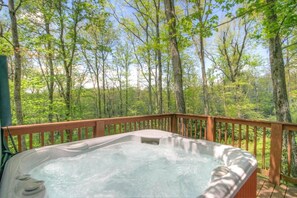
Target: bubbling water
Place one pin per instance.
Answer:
(127, 170)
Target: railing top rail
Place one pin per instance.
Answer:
(250, 122)
(192, 116)
(56, 126)
(259, 123)
(290, 126)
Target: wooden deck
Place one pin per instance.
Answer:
(266, 189)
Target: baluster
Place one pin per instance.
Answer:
(205, 124)
(263, 148)
(83, 133)
(247, 138)
(220, 132)
(52, 138)
(226, 132)
(70, 135)
(62, 136)
(160, 124)
(239, 143)
(114, 129)
(196, 128)
(232, 134)
(108, 129)
(190, 128)
(200, 135)
(42, 138)
(79, 134)
(93, 134)
(183, 126)
(255, 141)
(289, 152)
(19, 143)
(151, 124)
(30, 140)
(187, 127)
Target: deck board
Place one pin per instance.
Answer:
(266, 189)
(260, 184)
(291, 192)
(279, 191)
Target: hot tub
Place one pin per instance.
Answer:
(161, 159)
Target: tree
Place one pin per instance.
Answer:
(279, 17)
(175, 57)
(47, 16)
(17, 64)
(157, 5)
(140, 29)
(68, 24)
(277, 66)
(203, 14)
(40, 39)
(232, 44)
(123, 60)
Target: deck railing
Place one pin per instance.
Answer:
(262, 138)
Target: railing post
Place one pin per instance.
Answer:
(275, 152)
(210, 133)
(173, 123)
(99, 129)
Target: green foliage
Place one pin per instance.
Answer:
(102, 40)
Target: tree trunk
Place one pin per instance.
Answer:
(168, 86)
(103, 88)
(279, 80)
(17, 68)
(175, 57)
(278, 71)
(127, 85)
(204, 78)
(280, 96)
(68, 93)
(159, 57)
(150, 82)
(149, 70)
(201, 52)
(98, 95)
(51, 69)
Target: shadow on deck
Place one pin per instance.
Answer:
(267, 189)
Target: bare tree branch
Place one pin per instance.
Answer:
(18, 6)
(243, 14)
(123, 24)
(2, 4)
(8, 41)
(290, 45)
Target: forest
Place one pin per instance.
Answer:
(82, 59)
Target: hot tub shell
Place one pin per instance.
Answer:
(235, 178)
